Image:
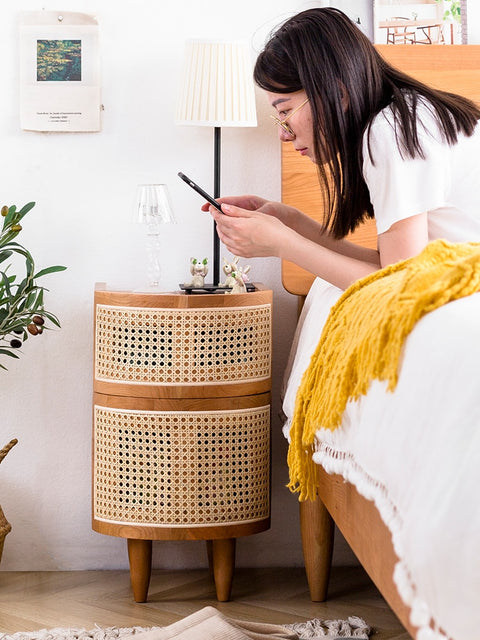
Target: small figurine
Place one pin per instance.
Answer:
(228, 269)
(236, 276)
(198, 270)
(238, 283)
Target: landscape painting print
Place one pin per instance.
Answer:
(59, 60)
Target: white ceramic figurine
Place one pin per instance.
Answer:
(236, 276)
(198, 270)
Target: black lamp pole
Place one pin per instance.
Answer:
(216, 194)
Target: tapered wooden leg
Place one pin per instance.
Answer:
(317, 529)
(222, 560)
(140, 559)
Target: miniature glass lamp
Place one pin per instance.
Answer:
(217, 91)
(153, 210)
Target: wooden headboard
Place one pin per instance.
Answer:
(454, 68)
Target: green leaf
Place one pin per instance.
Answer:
(6, 284)
(44, 272)
(21, 295)
(10, 216)
(51, 317)
(5, 254)
(25, 209)
(7, 352)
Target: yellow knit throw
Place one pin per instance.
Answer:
(362, 341)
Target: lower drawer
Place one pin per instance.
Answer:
(175, 465)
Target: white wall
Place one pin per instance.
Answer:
(473, 22)
(84, 186)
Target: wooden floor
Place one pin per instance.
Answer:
(36, 600)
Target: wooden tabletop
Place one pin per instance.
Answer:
(419, 23)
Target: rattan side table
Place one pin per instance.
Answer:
(181, 423)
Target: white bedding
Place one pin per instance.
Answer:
(416, 454)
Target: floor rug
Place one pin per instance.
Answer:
(210, 624)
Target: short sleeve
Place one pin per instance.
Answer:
(403, 187)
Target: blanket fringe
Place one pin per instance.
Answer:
(352, 627)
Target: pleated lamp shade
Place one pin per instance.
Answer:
(217, 86)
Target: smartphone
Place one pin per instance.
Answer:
(199, 190)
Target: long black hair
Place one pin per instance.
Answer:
(322, 52)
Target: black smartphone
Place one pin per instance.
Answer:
(199, 190)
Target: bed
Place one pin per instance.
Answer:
(399, 476)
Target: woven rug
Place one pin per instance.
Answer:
(353, 627)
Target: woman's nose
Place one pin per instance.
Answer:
(284, 135)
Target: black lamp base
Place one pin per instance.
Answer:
(212, 288)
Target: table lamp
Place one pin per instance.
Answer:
(217, 91)
(153, 210)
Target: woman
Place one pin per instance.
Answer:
(386, 146)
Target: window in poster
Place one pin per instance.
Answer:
(420, 21)
(60, 72)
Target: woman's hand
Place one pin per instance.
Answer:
(250, 233)
(284, 213)
(251, 203)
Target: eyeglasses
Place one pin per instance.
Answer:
(284, 124)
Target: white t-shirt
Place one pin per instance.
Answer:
(446, 184)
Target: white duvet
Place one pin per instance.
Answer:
(416, 453)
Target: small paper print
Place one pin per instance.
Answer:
(60, 72)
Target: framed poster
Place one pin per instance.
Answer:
(59, 72)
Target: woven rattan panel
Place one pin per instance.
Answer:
(182, 346)
(181, 468)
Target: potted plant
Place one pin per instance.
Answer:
(22, 311)
(452, 10)
(452, 15)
